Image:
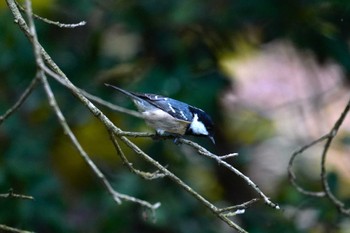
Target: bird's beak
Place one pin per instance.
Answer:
(212, 139)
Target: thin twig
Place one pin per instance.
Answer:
(231, 155)
(145, 175)
(182, 184)
(234, 213)
(20, 101)
(244, 205)
(11, 194)
(292, 177)
(12, 229)
(205, 152)
(56, 23)
(75, 142)
(326, 189)
(339, 204)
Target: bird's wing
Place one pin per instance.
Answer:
(175, 108)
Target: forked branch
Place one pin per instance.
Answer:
(326, 191)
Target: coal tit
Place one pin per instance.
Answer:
(169, 116)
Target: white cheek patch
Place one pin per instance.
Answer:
(198, 127)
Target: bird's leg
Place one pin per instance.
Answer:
(165, 135)
(158, 136)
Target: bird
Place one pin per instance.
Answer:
(169, 116)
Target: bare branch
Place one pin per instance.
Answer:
(326, 189)
(136, 134)
(145, 175)
(245, 205)
(56, 23)
(74, 140)
(292, 177)
(234, 213)
(53, 104)
(52, 101)
(12, 229)
(116, 195)
(340, 205)
(11, 194)
(205, 152)
(20, 101)
(178, 181)
(231, 155)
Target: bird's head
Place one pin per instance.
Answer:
(201, 124)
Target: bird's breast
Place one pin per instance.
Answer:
(163, 121)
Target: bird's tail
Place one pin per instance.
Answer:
(127, 93)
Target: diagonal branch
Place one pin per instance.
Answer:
(69, 133)
(48, 21)
(145, 175)
(53, 103)
(182, 184)
(20, 101)
(12, 229)
(219, 159)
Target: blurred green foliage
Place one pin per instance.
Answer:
(166, 47)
